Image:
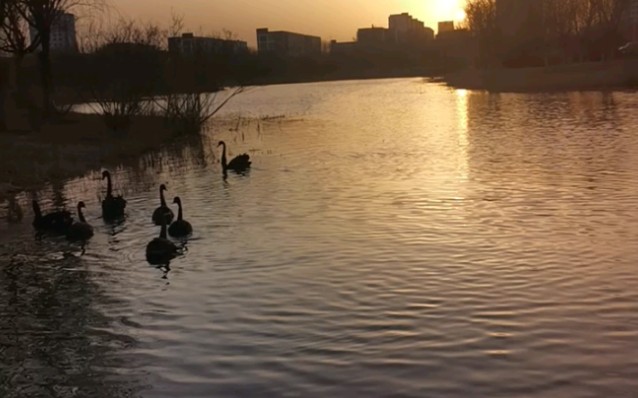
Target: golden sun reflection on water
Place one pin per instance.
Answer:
(462, 120)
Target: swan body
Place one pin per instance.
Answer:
(239, 164)
(180, 228)
(163, 214)
(160, 250)
(57, 222)
(80, 230)
(112, 206)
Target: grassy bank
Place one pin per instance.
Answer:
(584, 76)
(70, 147)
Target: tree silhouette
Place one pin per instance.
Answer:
(41, 15)
(14, 39)
(547, 30)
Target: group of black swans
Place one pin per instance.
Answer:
(160, 250)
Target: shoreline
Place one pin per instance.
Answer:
(609, 75)
(71, 147)
(80, 142)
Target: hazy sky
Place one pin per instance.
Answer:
(330, 19)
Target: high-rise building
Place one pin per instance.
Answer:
(63, 35)
(404, 33)
(287, 43)
(347, 47)
(374, 37)
(445, 26)
(404, 28)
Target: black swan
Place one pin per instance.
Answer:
(80, 230)
(180, 228)
(160, 250)
(163, 214)
(238, 164)
(57, 222)
(112, 206)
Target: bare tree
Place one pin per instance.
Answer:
(126, 67)
(130, 76)
(15, 40)
(608, 15)
(188, 113)
(14, 33)
(228, 34)
(41, 15)
(550, 29)
(482, 21)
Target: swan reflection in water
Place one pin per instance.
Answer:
(80, 231)
(160, 251)
(116, 227)
(165, 268)
(14, 211)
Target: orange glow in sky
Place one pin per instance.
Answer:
(330, 19)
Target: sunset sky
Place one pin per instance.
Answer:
(330, 19)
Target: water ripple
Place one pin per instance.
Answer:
(394, 238)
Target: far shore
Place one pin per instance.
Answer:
(618, 74)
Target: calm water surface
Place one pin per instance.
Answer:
(394, 239)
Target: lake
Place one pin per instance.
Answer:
(394, 238)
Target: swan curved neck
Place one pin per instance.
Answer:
(162, 200)
(179, 211)
(80, 214)
(109, 185)
(224, 163)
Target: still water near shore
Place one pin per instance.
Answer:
(394, 238)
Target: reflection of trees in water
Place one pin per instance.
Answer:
(59, 198)
(14, 211)
(184, 155)
(53, 341)
(174, 160)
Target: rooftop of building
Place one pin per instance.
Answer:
(266, 30)
(189, 35)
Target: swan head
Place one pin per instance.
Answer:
(81, 205)
(221, 143)
(177, 200)
(106, 174)
(163, 188)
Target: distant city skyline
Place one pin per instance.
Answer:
(329, 19)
